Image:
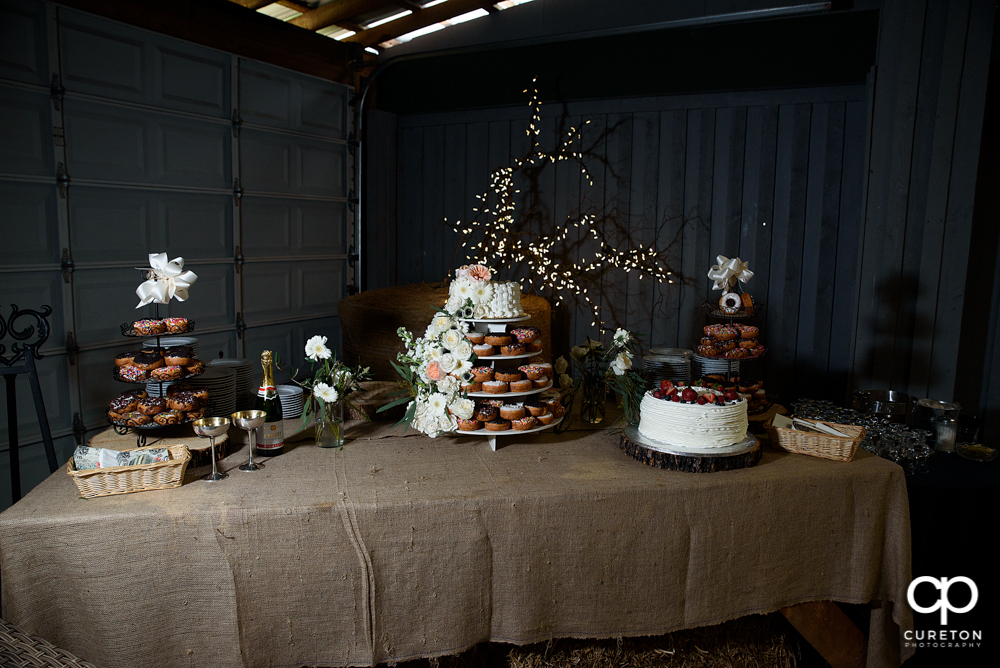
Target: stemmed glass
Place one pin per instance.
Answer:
(210, 428)
(249, 421)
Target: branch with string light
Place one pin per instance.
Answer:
(496, 237)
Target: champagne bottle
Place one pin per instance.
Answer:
(271, 434)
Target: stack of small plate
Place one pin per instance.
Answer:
(706, 365)
(171, 341)
(292, 401)
(220, 382)
(246, 389)
(673, 364)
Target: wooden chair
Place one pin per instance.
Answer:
(22, 361)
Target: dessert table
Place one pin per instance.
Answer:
(399, 547)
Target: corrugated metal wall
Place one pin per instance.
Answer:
(852, 204)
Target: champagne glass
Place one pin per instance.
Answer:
(210, 428)
(249, 421)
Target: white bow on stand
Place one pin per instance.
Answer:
(727, 272)
(166, 280)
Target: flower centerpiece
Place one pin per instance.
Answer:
(470, 292)
(595, 369)
(434, 366)
(328, 388)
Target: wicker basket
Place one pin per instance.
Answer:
(138, 478)
(818, 445)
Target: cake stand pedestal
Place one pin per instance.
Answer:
(740, 455)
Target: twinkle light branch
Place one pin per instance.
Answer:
(497, 237)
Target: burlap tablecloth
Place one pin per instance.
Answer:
(396, 548)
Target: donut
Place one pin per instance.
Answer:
(183, 401)
(147, 360)
(169, 417)
(506, 374)
(523, 424)
(730, 302)
(495, 387)
(475, 338)
(482, 350)
(545, 418)
(481, 374)
(472, 387)
(544, 366)
(522, 385)
(132, 374)
(165, 373)
(711, 330)
(557, 411)
(174, 388)
(498, 339)
(123, 403)
(467, 425)
(756, 352)
(147, 327)
(512, 411)
(534, 408)
(135, 419)
(151, 405)
(195, 368)
(176, 325)
(748, 343)
(498, 425)
(197, 414)
(539, 383)
(727, 333)
(125, 359)
(707, 341)
(747, 301)
(535, 346)
(736, 354)
(524, 335)
(512, 349)
(199, 393)
(178, 356)
(749, 332)
(533, 371)
(486, 413)
(495, 403)
(725, 346)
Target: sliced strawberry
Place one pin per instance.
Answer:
(666, 385)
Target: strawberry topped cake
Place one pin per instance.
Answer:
(694, 417)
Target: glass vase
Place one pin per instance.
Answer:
(593, 397)
(330, 425)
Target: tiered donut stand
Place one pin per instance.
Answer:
(141, 430)
(496, 325)
(730, 319)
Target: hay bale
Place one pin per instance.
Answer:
(371, 397)
(369, 320)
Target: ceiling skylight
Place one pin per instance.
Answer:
(391, 17)
(278, 11)
(335, 32)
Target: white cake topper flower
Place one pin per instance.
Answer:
(727, 272)
(166, 280)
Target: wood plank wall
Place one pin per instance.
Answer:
(852, 204)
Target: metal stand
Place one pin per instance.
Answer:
(23, 362)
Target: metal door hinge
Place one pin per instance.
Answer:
(352, 143)
(68, 266)
(237, 122)
(352, 255)
(57, 91)
(58, 136)
(240, 326)
(62, 180)
(352, 199)
(237, 192)
(238, 260)
(72, 349)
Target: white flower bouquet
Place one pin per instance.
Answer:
(331, 382)
(597, 368)
(432, 368)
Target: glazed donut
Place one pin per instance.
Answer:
(482, 350)
(472, 387)
(195, 368)
(125, 359)
(730, 302)
(512, 349)
(165, 373)
(747, 303)
(523, 385)
(183, 401)
(123, 403)
(495, 387)
(475, 338)
(708, 351)
(178, 356)
(512, 411)
(498, 339)
(151, 405)
(749, 332)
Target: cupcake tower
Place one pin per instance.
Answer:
(507, 380)
(181, 403)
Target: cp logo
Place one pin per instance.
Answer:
(942, 603)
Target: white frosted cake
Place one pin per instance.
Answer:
(486, 299)
(692, 425)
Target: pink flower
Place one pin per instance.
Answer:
(478, 272)
(462, 271)
(434, 371)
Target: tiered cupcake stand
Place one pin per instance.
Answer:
(495, 325)
(141, 430)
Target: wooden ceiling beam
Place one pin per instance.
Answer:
(336, 11)
(229, 27)
(417, 20)
(253, 4)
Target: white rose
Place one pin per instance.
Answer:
(453, 304)
(441, 323)
(462, 408)
(452, 338)
(447, 422)
(448, 385)
(622, 363)
(565, 381)
(447, 362)
(463, 350)
(561, 365)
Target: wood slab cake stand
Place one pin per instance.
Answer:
(740, 455)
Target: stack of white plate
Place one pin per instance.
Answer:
(220, 382)
(292, 401)
(672, 364)
(706, 365)
(171, 341)
(246, 389)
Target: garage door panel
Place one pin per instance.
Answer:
(289, 340)
(30, 222)
(105, 298)
(216, 344)
(197, 82)
(132, 146)
(283, 100)
(32, 290)
(288, 227)
(290, 290)
(25, 133)
(210, 302)
(292, 165)
(97, 383)
(53, 378)
(23, 42)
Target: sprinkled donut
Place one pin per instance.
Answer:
(749, 332)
